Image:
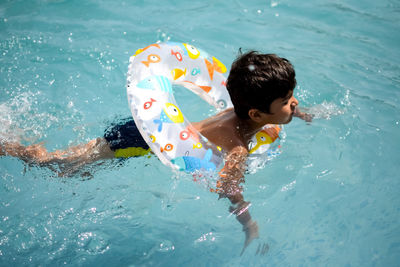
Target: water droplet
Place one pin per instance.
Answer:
(166, 246)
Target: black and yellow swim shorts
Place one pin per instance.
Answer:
(125, 139)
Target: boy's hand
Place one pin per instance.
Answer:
(250, 227)
(303, 115)
(251, 231)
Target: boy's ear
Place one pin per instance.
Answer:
(255, 114)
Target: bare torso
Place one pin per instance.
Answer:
(223, 130)
(226, 130)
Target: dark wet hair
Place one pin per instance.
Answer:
(256, 80)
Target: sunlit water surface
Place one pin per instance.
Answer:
(330, 199)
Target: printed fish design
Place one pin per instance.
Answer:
(221, 104)
(169, 114)
(149, 104)
(152, 58)
(189, 132)
(265, 137)
(193, 52)
(177, 55)
(197, 145)
(216, 65)
(177, 73)
(195, 71)
(167, 148)
(191, 164)
(205, 88)
(156, 82)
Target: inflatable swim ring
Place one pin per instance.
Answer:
(152, 71)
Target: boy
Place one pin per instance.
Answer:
(261, 89)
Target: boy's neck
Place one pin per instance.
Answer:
(248, 128)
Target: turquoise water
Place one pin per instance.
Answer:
(330, 199)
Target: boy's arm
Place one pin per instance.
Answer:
(231, 178)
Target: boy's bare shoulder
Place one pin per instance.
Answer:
(222, 130)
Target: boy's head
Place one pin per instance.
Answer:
(256, 80)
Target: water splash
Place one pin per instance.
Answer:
(325, 110)
(21, 121)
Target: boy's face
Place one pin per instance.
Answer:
(281, 110)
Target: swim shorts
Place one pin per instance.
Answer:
(125, 139)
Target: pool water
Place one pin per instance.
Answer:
(330, 199)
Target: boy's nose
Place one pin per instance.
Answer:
(295, 101)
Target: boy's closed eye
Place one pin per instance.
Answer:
(285, 101)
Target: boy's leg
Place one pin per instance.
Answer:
(27, 153)
(94, 150)
(121, 140)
